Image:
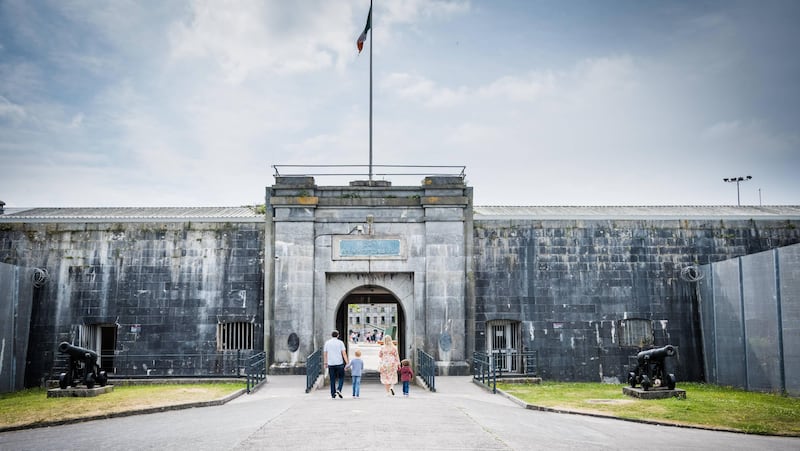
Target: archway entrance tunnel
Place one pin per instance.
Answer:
(365, 316)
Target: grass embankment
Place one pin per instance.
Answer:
(705, 405)
(32, 406)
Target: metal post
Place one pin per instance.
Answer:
(371, 33)
(737, 180)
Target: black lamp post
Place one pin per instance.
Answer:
(737, 180)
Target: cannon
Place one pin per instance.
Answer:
(82, 367)
(650, 372)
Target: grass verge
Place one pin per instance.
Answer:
(31, 407)
(705, 405)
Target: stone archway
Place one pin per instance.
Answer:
(397, 289)
(372, 308)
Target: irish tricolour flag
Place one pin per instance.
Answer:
(363, 37)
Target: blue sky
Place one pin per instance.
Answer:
(190, 103)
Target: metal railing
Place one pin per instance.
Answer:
(313, 368)
(212, 364)
(427, 369)
(256, 370)
(483, 370)
(488, 367)
(512, 362)
(296, 170)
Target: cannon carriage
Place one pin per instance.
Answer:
(650, 371)
(82, 367)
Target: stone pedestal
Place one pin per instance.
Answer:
(79, 392)
(657, 393)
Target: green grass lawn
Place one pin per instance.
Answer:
(705, 405)
(32, 406)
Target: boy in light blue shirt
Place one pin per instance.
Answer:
(356, 366)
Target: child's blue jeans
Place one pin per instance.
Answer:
(405, 387)
(357, 386)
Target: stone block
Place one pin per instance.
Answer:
(79, 392)
(638, 392)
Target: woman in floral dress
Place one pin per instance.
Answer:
(389, 362)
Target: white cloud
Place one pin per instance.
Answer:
(191, 102)
(11, 111)
(591, 81)
(76, 121)
(748, 143)
(419, 89)
(266, 37)
(521, 89)
(410, 11)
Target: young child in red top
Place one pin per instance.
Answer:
(406, 374)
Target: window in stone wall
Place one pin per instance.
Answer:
(636, 333)
(234, 336)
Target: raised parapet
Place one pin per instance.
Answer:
(443, 181)
(294, 182)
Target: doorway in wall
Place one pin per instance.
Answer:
(364, 317)
(102, 339)
(504, 345)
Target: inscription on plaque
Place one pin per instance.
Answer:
(369, 248)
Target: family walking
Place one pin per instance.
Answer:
(334, 358)
(389, 365)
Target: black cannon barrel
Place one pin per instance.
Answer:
(77, 352)
(656, 353)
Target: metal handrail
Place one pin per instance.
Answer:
(522, 362)
(484, 371)
(256, 370)
(211, 364)
(313, 369)
(427, 369)
(453, 171)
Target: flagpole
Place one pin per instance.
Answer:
(372, 32)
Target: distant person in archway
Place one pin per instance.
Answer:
(389, 362)
(334, 357)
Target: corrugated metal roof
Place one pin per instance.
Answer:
(637, 212)
(247, 214)
(134, 214)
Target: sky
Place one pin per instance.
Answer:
(193, 103)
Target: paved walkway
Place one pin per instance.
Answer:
(459, 416)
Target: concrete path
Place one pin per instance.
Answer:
(459, 416)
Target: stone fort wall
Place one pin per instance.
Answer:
(165, 286)
(572, 284)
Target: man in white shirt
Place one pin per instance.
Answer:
(334, 357)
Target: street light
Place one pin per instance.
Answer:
(737, 180)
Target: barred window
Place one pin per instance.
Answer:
(636, 333)
(234, 336)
